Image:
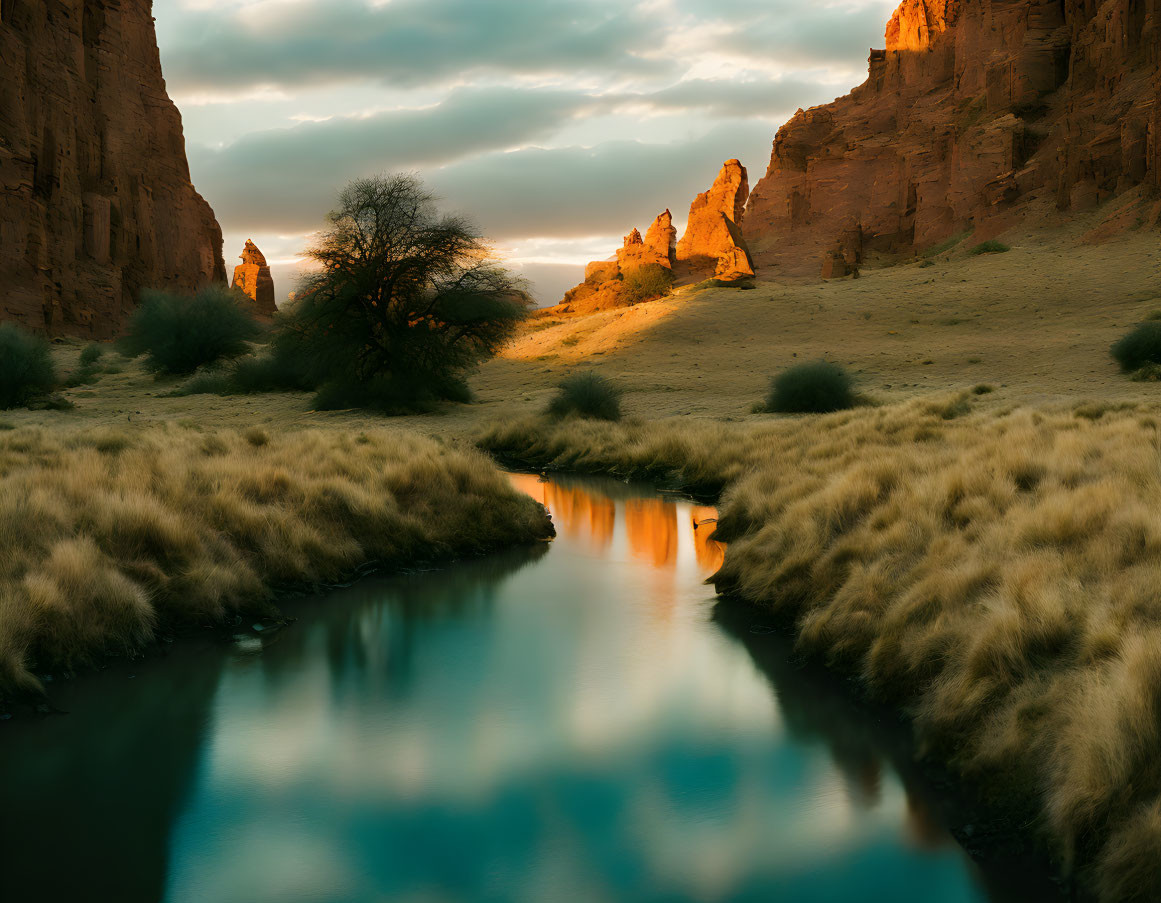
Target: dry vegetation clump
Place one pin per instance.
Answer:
(996, 576)
(646, 283)
(586, 395)
(110, 536)
(1140, 348)
(818, 387)
(701, 458)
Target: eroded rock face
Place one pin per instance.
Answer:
(252, 277)
(712, 245)
(713, 241)
(95, 194)
(604, 279)
(977, 115)
(657, 247)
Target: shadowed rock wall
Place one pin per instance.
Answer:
(95, 194)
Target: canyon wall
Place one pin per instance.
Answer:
(978, 115)
(95, 195)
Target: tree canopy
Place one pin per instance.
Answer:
(404, 304)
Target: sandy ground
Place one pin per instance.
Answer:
(1035, 322)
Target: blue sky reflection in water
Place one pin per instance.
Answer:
(564, 723)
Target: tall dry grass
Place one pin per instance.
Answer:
(110, 536)
(995, 576)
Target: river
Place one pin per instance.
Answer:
(578, 721)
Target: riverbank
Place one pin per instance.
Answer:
(992, 574)
(114, 538)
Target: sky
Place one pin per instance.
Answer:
(555, 126)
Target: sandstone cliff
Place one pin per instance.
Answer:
(95, 194)
(252, 277)
(976, 116)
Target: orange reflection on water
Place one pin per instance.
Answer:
(654, 528)
(651, 525)
(710, 553)
(575, 511)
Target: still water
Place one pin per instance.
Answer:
(580, 721)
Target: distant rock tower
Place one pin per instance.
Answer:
(253, 277)
(713, 239)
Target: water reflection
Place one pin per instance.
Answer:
(560, 723)
(869, 747)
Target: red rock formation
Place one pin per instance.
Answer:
(713, 241)
(657, 247)
(834, 265)
(976, 115)
(661, 239)
(252, 276)
(95, 194)
(603, 285)
(712, 244)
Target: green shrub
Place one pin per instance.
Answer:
(91, 354)
(209, 382)
(178, 334)
(390, 393)
(646, 283)
(814, 388)
(88, 372)
(82, 376)
(1140, 347)
(990, 247)
(277, 371)
(26, 369)
(274, 371)
(587, 395)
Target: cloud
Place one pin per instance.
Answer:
(404, 42)
(603, 190)
(721, 98)
(286, 179)
(809, 36)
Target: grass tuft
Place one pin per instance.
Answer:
(91, 354)
(1139, 347)
(814, 388)
(587, 395)
(991, 246)
(646, 283)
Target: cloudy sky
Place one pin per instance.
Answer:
(556, 125)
